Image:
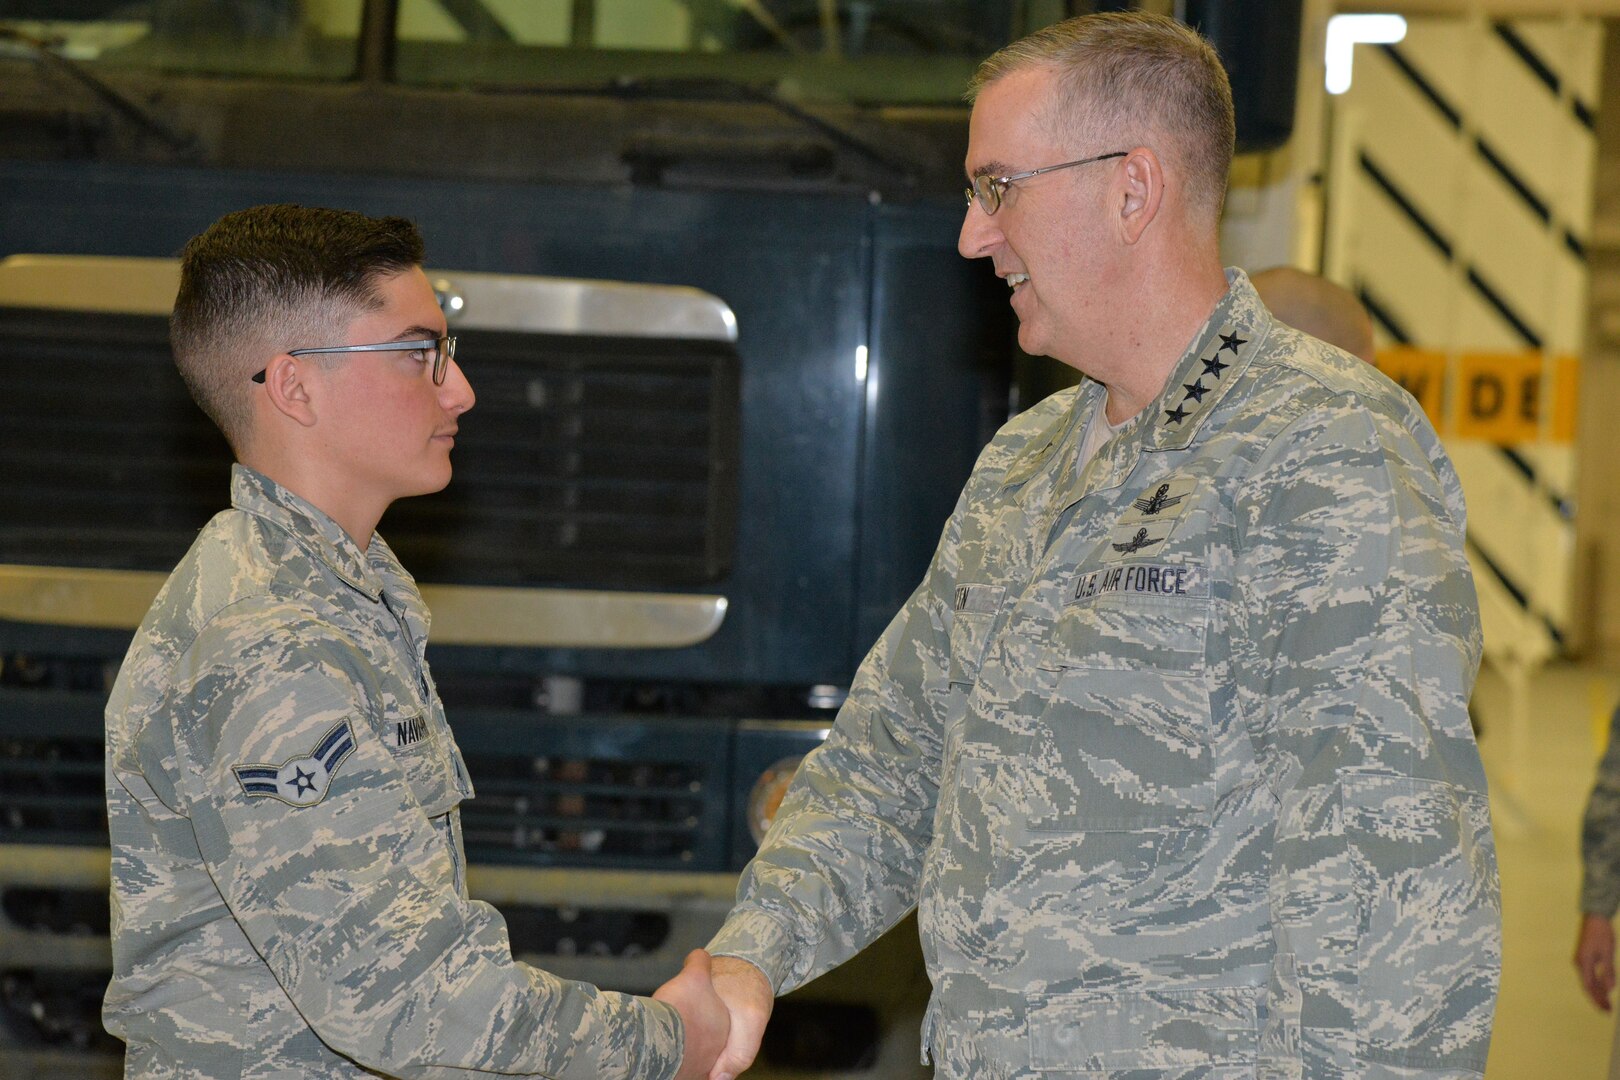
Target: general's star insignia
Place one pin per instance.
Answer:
(1232, 341)
(1195, 390)
(1213, 366)
(1175, 415)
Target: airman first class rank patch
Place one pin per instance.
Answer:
(299, 781)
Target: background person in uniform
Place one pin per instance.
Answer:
(1600, 885)
(1319, 307)
(1170, 747)
(288, 882)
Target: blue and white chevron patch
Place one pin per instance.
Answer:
(301, 781)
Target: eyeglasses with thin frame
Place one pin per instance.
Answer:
(988, 190)
(437, 351)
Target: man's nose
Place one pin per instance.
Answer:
(979, 235)
(456, 394)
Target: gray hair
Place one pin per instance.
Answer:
(1131, 75)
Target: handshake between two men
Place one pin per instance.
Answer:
(724, 1003)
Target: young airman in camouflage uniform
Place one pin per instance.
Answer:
(1170, 748)
(288, 885)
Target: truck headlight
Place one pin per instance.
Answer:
(766, 797)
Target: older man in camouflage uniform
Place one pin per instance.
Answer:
(1170, 747)
(288, 887)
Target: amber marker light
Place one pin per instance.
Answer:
(766, 798)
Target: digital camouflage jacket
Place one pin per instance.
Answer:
(1172, 753)
(1600, 834)
(288, 888)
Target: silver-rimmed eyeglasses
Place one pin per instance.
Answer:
(436, 351)
(988, 190)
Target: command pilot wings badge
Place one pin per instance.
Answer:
(1135, 543)
(301, 781)
(1164, 500)
(1158, 502)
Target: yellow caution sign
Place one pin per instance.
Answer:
(1506, 398)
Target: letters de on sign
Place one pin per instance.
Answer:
(1497, 397)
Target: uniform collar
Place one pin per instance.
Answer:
(1218, 354)
(1205, 373)
(313, 530)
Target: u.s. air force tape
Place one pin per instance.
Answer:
(300, 781)
(1144, 579)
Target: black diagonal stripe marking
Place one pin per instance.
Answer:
(1382, 316)
(1521, 48)
(1540, 69)
(1575, 246)
(1421, 83)
(1520, 597)
(1397, 197)
(1502, 308)
(1427, 88)
(1531, 199)
(1522, 465)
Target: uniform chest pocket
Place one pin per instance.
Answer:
(426, 753)
(975, 609)
(1125, 742)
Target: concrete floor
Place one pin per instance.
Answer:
(1540, 776)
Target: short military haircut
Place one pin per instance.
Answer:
(1125, 77)
(263, 281)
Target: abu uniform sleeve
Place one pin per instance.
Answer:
(343, 884)
(841, 863)
(1600, 834)
(1355, 640)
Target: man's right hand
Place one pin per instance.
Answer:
(1594, 960)
(749, 998)
(704, 1016)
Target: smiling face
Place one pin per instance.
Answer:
(384, 428)
(1049, 239)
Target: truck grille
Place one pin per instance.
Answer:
(51, 791)
(595, 790)
(583, 809)
(609, 462)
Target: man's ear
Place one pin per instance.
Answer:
(1144, 193)
(286, 386)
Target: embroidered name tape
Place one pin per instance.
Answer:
(301, 781)
(984, 599)
(410, 731)
(1143, 579)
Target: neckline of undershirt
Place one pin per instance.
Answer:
(1098, 432)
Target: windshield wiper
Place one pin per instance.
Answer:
(716, 88)
(182, 143)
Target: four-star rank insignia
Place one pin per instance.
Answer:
(300, 781)
(1205, 383)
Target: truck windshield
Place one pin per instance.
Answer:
(857, 51)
